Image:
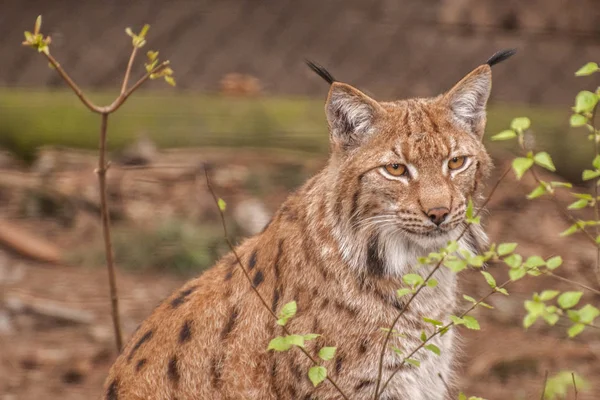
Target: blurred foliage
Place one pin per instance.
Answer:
(31, 119)
(173, 245)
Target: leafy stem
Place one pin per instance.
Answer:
(388, 335)
(220, 206)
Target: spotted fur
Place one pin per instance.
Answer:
(339, 247)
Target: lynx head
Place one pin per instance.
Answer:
(402, 172)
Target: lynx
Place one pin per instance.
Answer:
(396, 187)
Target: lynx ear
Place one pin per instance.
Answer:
(468, 98)
(350, 114)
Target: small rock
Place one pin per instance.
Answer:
(6, 326)
(251, 215)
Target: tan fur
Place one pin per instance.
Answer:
(338, 247)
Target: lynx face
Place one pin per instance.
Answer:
(406, 169)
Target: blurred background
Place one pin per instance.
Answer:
(246, 106)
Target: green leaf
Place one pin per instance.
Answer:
(502, 290)
(520, 124)
(486, 305)
(544, 160)
(170, 80)
(433, 348)
(471, 322)
(279, 343)
(489, 279)
(287, 312)
(551, 319)
(456, 320)
(476, 261)
(432, 283)
(38, 25)
(529, 320)
(589, 174)
(327, 353)
(514, 260)
(575, 330)
(548, 295)
(423, 336)
(455, 265)
(222, 205)
(310, 336)
(521, 165)
(534, 262)
(470, 213)
(554, 262)
(433, 321)
(577, 120)
(129, 32)
(540, 190)
(506, 248)
(403, 292)
(462, 396)
(505, 135)
(317, 374)
(569, 299)
(587, 69)
(469, 298)
(413, 279)
(585, 101)
(144, 31)
(452, 246)
(517, 273)
(414, 362)
(570, 230)
(296, 340)
(581, 203)
(561, 184)
(588, 313)
(596, 162)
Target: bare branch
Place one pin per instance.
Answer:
(72, 84)
(544, 387)
(128, 70)
(105, 218)
(124, 96)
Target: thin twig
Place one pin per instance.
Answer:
(562, 210)
(575, 283)
(249, 279)
(574, 385)
(128, 70)
(410, 300)
(543, 396)
(72, 84)
(108, 249)
(444, 382)
(123, 97)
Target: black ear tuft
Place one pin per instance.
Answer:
(322, 72)
(500, 56)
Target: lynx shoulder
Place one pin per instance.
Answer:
(395, 188)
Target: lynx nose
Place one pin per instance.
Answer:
(437, 215)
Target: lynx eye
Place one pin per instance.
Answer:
(396, 169)
(456, 162)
